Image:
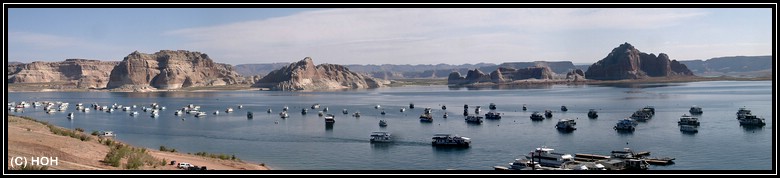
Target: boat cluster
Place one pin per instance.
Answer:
(544, 158)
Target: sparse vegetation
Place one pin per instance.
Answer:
(217, 156)
(163, 148)
(95, 132)
(61, 131)
(136, 157)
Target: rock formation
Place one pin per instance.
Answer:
(304, 75)
(626, 62)
(500, 75)
(85, 73)
(575, 75)
(169, 69)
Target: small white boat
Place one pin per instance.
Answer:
(178, 113)
(240, 106)
(325, 110)
(315, 106)
(450, 140)
(344, 111)
(356, 114)
(285, 108)
(304, 111)
(70, 115)
(134, 113)
(106, 134)
(228, 110)
(403, 109)
(284, 114)
(201, 114)
(330, 118)
(380, 137)
(695, 110)
(269, 110)
(216, 112)
(566, 124)
(382, 123)
(377, 106)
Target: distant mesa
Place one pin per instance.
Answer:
(304, 75)
(626, 62)
(83, 72)
(168, 69)
(736, 66)
(501, 75)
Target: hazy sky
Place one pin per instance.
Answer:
(386, 36)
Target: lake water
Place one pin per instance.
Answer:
(304, 142)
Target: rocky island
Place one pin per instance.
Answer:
(168, 69)
(626, 62)
(304, 75)
(82, 73)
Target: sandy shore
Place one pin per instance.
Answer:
(29, 139)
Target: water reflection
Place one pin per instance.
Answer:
(751, 128)
(329, 126)
(501, 87)
(639, 85)
(163, 94)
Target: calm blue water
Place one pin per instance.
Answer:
(305, 142)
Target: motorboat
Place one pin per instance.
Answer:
(269, 111)
(493, 115)
(315, 106)
(450, 140)
(330, 118)
(285, 108)
(548, 113)
(752, 120)
(304, 111)
(106, 134)
(403, 109)
(216, 112)
(742, 112)
(382, 123)
(443, 107)
(536, 116)
(564, 109)
(383, 112)
(228, 110)
(592, 113)
(478, 109)
(380, 137)
(199, 114)
(695, 110)
(284, 114)
(377, 106)
(625, 124)
(492, 106)
(411, 105)
(325, 110)
(347, 112)
(474, 119)
(524, 108)
(356, 114)
(250, 115)
(426, 116)
(566, 124)
(445, 115)
(688, 120)
(547, 157)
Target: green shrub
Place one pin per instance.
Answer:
(79, 129)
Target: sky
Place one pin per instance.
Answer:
(386, 35)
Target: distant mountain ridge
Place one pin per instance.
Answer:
(745, 66)
(403, 71)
